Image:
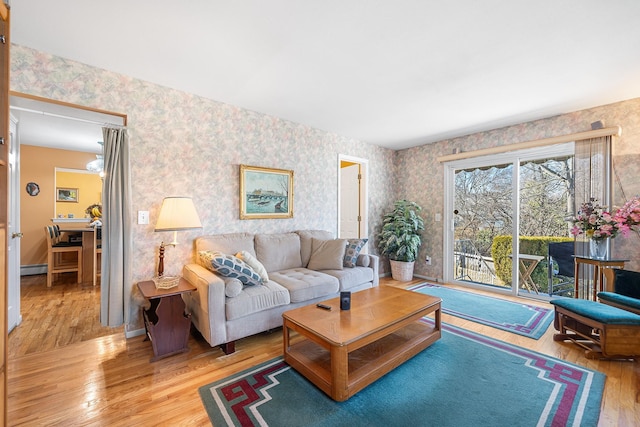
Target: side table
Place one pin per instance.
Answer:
(598, 274)
(165, 322)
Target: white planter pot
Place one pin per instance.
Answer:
(402, 271)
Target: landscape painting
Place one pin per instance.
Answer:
(265, 193)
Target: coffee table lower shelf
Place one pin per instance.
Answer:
(356, 365)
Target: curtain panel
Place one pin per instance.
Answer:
(592, 178)
(116, 240)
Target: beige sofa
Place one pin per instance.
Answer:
(295, 264)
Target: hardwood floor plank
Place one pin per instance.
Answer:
(91, 375)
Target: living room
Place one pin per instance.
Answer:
(185, 144)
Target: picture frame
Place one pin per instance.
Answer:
(265, 193)
(64, 194)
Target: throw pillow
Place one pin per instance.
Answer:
(327, 254)
(232, 287)
(354, 246)
(229, 266)
(254, 263)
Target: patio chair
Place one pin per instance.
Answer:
(561, 268)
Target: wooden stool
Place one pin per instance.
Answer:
(605, 332)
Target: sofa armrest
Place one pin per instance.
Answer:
(207, 305)
(372, 261)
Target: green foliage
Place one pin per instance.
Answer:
(400, 238)
(501, 249)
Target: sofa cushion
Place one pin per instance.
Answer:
(253, 262)
(350, 278)
(229, 266)
(232, 287)
(327, 254)
(305, 242)
(278, 251)
(304, 284)
(602, 313)
(253, 299)
(632, 303)
(226, 243)
(363, 260)
(354, 246)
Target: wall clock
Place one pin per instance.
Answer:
(32, 189)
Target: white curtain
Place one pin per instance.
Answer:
(592, 172)
(116, 232)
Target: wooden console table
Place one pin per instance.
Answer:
(165, 321)
(598, 274)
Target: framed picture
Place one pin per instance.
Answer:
(66, 194)
(265, 193)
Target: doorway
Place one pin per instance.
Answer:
(352, 197)
(55, 127)
(505, 211)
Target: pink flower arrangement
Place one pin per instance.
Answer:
(628, 216)
(597, 223)
(594, 221)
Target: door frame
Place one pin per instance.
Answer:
(14, 315)
(99, 114)
(364, 194)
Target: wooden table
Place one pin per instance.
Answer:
(87, 250)
(165, 321)
(343, 351)
(598, 274)
(528, 263)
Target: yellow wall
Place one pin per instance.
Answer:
(89, 186)
(37, 164)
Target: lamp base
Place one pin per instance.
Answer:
(166, 282)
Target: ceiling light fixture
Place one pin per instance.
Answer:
(97, 165)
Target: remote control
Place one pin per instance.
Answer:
(325, 307)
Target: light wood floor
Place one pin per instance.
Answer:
(107, 380)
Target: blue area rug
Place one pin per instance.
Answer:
(463, 379)
(524, 319)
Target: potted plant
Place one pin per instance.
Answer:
(401, 238)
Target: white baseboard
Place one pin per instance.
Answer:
(431, 279)
(134, 333)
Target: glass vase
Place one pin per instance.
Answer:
(598, 248)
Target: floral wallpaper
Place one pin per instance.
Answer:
(182, 144)
(422, 177)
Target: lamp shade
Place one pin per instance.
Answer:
(177, 213)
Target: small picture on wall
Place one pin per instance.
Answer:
(66, 194)
(265, 193)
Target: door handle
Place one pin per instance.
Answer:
(14, 235)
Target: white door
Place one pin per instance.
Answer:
(13, 232)
(350, 201)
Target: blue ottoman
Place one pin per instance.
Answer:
(605, 332)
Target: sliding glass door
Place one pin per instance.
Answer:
(482, 210)
(505, 211)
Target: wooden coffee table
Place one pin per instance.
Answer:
(342, 352)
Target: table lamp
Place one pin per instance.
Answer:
(176, 214)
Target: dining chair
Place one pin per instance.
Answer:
(56, 261)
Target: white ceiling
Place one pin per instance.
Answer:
(394, 73)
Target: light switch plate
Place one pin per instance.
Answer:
(143, 217)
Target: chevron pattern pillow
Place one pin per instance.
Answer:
(229, 266)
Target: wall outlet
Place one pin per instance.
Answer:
(428, 260)
(143, 217)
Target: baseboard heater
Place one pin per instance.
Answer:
(33, 269)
